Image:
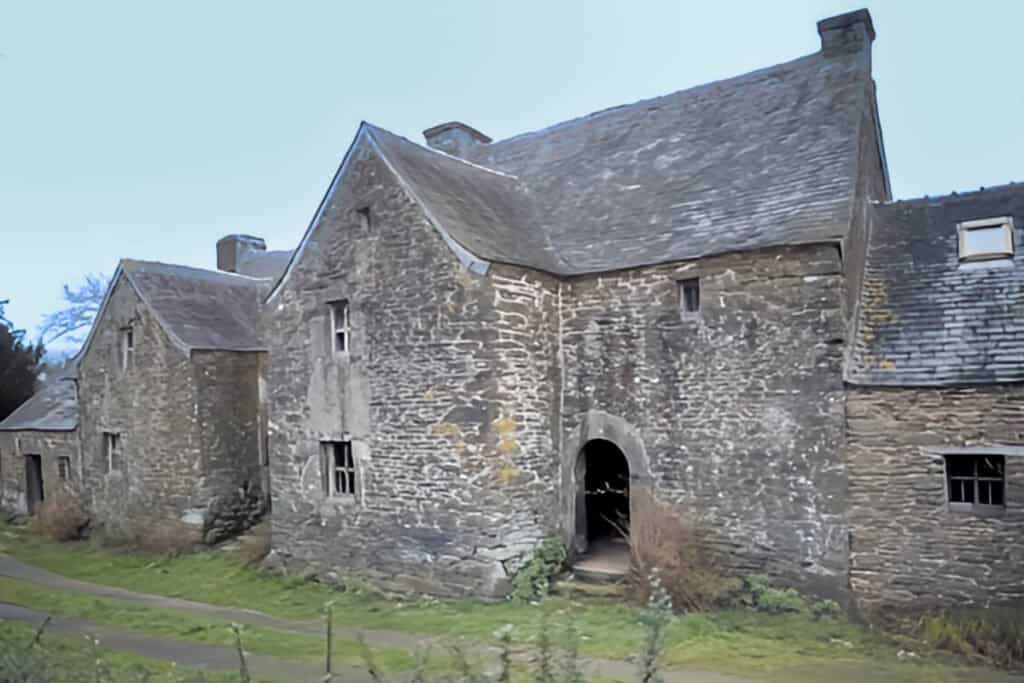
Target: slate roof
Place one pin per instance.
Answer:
(54, 408)
(765, 159)
(201, 309)
(926, 319)
(268, 265)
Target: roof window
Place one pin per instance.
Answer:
(986, 239)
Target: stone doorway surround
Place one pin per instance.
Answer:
(597, 424)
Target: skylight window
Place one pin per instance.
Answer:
(986, 239)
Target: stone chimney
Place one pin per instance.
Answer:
(232, 248)
(454, 138)
(846, 33)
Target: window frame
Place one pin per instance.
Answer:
(331, 469)
(965, 227)
(127, 342)
(64, 468)
(974, 507)
(112, 451)
(365, 218)
(683, 286)
(342, 330)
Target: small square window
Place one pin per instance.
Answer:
(976, 482)
(365, 219)
(339, 467)
(63, 468)
(985, 239)
(112, 451)
(127, 347)
(340, 339)
(689, 297)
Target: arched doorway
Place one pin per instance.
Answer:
(602, 497)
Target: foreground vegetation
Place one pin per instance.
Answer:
(788, 646)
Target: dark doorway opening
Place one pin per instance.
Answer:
(33, 482)
(602, 512)
(606, 491)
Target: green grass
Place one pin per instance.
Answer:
(787, 647)
(71, 658)
(181, 625)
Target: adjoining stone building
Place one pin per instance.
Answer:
(709, 297)
(40, 453)
(935, 404)
(169, 395)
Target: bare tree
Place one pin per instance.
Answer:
(82, 304)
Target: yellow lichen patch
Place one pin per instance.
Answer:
(507, 445)
(886, 364)
(507, 474)
(505, 425)
(445, 429)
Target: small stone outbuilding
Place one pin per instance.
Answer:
(40, 453)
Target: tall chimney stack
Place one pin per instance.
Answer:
(846, 33)
(454, 138)
(232, 248)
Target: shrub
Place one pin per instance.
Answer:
(533, 580)
(61, 518)
(995, 634)
(664, 544)
(766, 598)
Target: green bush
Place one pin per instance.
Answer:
(762, 596)
(533, 580)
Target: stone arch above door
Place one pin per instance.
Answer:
(597, 424)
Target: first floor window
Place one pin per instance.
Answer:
(340, 327)
(976, 481)
(63, 468)
(339, 468)
(127, 347)
(112, 451)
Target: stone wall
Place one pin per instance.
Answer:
(907, 547)
(50, 446)
(737, 412)
(228, 402)
(176, 419)
(447, 394)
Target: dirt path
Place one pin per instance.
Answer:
(214, 657)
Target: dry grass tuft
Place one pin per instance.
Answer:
(254, 545)
(61, 518)
(665, 545)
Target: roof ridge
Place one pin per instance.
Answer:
(243, 279)
(620, 107)
(966, 194)
(372, 127)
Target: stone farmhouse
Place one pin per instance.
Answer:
(709, 297)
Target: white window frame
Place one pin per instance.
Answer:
(127, 347)
(341, 327)
(1004, 222)
(112, 450)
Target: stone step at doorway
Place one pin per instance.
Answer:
(606, 561)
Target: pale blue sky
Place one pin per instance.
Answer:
(129, 129)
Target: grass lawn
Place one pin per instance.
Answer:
(793, 647)
(69, 658)
(181, 625)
